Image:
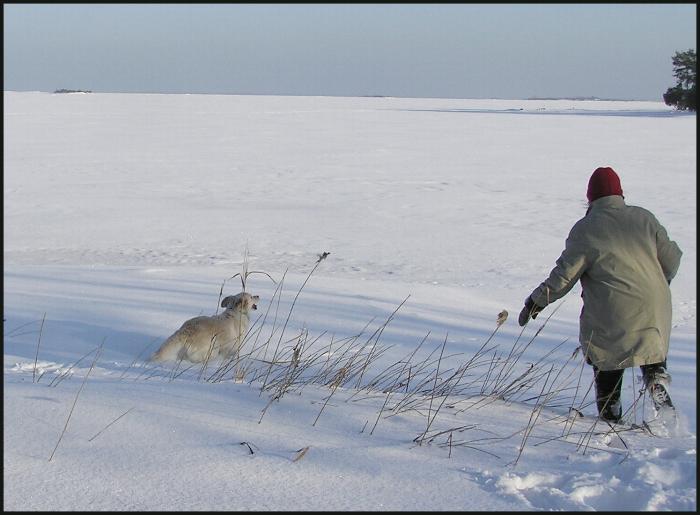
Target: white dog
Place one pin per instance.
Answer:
(205, 338)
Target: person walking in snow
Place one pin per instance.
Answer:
(625, 261)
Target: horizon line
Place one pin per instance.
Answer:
(592, 98)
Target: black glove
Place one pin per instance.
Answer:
(530, 310)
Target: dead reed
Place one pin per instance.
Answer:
(75, 401)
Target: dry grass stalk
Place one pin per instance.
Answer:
(389, 392)
(244, 274)
(111, 423)
(137, 357)
(57, 380)
(250, 446)
(75, 401)
(534, 415)
(289, 314)
(178, 362)
(288, 375)
(36, 358)
(212, 344)
(379, 333)
(336, 383)
(432, 395)
(15, 332)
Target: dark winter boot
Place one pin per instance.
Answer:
(611, 412)
(608, 389)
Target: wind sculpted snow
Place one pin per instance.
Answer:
(377, 378)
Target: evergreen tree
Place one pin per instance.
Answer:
(682, 95)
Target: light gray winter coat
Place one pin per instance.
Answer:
(625, 262)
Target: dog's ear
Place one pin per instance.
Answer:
(230, 301)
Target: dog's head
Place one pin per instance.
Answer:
(243, 301)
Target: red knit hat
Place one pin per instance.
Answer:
(604, 182)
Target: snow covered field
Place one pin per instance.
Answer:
(125, 214)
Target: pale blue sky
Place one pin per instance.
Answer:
(404, 50)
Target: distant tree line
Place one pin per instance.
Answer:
(72, 91)
(682, 95)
